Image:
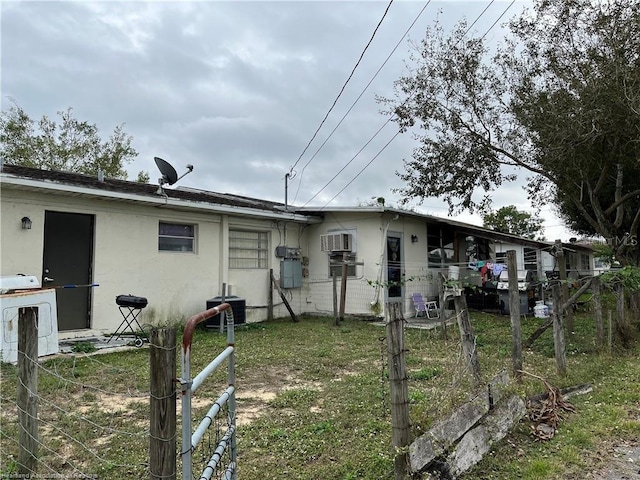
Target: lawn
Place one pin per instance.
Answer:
(313, 401)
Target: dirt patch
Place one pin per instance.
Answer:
(623, 463)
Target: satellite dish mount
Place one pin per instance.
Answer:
(169, 175)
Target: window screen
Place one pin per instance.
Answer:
(176, 237)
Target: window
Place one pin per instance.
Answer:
(477, 249)
(501, 257)
(176, 237)
(248, 249)
(440, 246)
(335, 264)
(584, 262)
(530, 259)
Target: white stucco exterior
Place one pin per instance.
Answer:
(387, 244)
(126, 258)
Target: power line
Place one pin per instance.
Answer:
(356, 101)
(362, 170)
(388, 120)
(349, 162)
(343, 87)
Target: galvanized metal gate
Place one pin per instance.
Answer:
(190, 440)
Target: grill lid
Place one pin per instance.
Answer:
(131, 301)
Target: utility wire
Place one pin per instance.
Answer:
(349, 162)
(388, 120)
(343, 87)
(355, 102)
(367, 86)
(362, 170)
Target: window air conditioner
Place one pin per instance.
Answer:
(335, 242)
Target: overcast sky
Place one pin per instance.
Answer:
(238, 88)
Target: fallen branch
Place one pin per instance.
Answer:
(540, 330)
(546, 413)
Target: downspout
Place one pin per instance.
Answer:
(223, 274)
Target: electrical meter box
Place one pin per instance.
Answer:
(290, 273)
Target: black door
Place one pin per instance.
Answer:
(68, 248)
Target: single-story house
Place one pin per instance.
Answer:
(177, 247)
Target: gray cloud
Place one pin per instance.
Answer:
(234, 88)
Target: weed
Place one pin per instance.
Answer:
(83, 347)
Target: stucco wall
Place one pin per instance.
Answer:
(126, 259)
(367, 288)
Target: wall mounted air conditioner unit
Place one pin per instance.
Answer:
(336, 242)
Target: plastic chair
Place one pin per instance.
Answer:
(429, 309)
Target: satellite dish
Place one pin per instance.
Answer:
(169, 174)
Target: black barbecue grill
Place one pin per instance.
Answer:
(130, 307)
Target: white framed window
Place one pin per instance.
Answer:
(248, 249)
(176, 237)
(335, 264)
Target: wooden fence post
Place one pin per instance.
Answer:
(597, 310)
(558, 333)
(466, 335)
(27, 391)
(162, 429)
(514, 314)
(343, 285)
(442, 299)
(562, 267)
(399, 390)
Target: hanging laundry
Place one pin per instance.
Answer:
(498, 268)
(483, 274)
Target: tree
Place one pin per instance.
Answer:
(510, 220)
(71, 145)
(559, 101)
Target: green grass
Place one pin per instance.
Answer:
(313, 401)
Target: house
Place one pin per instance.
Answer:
(394, 253)
(178, 247)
